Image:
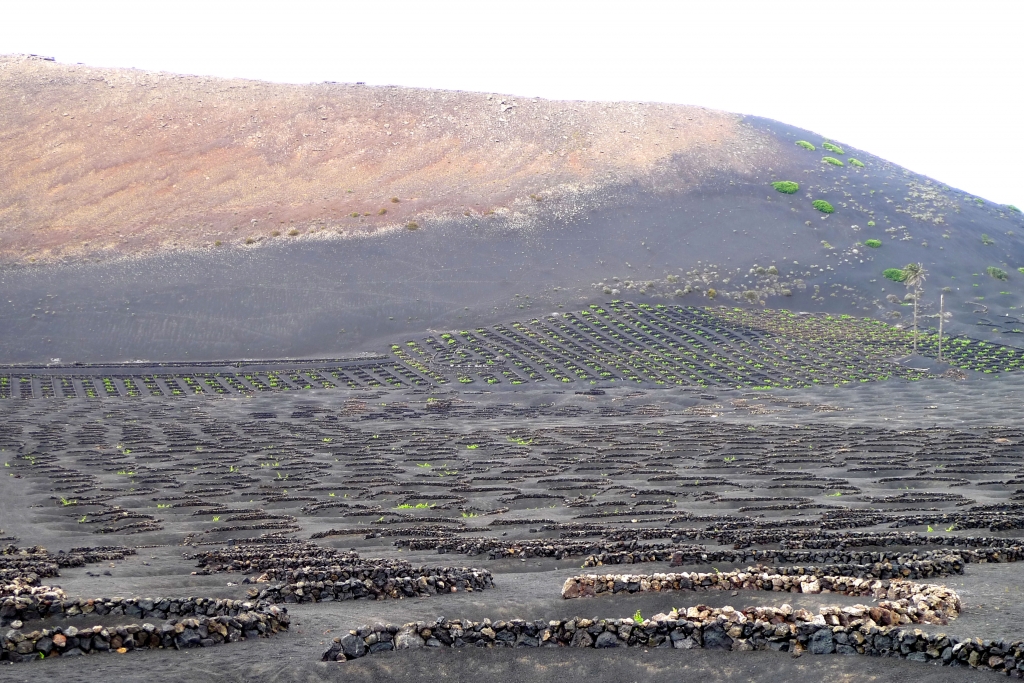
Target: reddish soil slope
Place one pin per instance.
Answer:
(111, 162)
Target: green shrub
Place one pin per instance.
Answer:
(857, 163)
(832, 160)
(786, 186)
(894, 274)
(871, 224)
(822, 205)
(412, 225)
(873, 243)
(806, 145)
(832, 148)
(997, 273)
(1013, 208)
(986, 240)
(1020, 270)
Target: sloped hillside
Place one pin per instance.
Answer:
(154, 216)
(107, 162)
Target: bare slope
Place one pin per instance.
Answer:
(115, 161)
(644, 203)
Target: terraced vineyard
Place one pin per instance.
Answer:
(617, 342)
(316, 466)
(280, 500)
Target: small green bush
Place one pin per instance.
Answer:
(1013, 208)
(806, 145)
(832, 160)
(832, 148)
(412, 225)
(857, 163)
(873, 243)
(871, 224)
(822, 205)
(997, 273)
(986, 240)
(894, 274)
(786, 186)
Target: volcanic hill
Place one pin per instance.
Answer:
(159, 216)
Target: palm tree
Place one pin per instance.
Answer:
(914, 275)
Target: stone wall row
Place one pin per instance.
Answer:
(326, 590)
(921, 564)
(901, 602)
(720, 629)
(200, 631)
(43, 602)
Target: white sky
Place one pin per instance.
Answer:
(932, 85)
